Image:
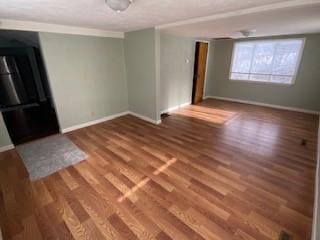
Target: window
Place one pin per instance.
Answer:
(270, 61)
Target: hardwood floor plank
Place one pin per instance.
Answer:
(217, 170)
(122, 228)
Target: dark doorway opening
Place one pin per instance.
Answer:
(26, 102)
(200, 66)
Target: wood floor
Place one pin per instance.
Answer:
(218, 170)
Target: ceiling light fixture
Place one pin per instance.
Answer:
(119, 5)
(248, 33)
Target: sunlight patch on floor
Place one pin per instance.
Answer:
(146, 180)
(165, 166)
(134, 189)
(211, 115)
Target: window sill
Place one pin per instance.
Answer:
(262, 83)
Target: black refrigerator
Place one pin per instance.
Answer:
(12, 90)
(25, 101)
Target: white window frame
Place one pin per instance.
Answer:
(264, 82)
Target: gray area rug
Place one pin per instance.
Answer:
(48, 155)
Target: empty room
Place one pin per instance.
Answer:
(159, 120)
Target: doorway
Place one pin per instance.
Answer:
(200, 67)
(26, 102)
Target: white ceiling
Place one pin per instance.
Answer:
(292, 20)
(229, 15)
(141, 14)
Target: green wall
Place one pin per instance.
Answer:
(4, 135)
(87, 76)
(142, 67)
(176, 74)
(305, 93)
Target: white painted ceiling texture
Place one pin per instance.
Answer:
(292, 20)
(95, 14)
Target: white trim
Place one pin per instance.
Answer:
(87, 124)
(185, 104)
(260, 82)
(294, 76)
(273, 6)
(6, 148)
(264, 104)
(104, 119)
(171, 109)
(316, 192)
(56, 28)
(147, 119)
(200, 40)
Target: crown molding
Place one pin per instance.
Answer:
(274, 6)
(9, 24)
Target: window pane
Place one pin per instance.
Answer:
(239, 76)
(242, 58)
(273, 61)
(286, 57)
(281, 79)
(262, 58)
(260, 77)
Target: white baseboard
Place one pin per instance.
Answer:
(108, 118)
(175, 107)
(87, 124)
(6, 148)
(316, 193)
(264, 104)
(144, 118)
